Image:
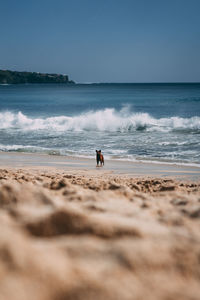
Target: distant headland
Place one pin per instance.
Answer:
(15, 77)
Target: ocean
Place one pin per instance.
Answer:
(134, 122)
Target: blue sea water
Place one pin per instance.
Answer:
(136, 122)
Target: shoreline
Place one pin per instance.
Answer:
(72, 163)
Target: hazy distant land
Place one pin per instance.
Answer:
(15, 77)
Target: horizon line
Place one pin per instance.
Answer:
(140, 82)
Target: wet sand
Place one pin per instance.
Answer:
(136, 169)
(70, 230)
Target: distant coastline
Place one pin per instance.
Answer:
(15, 77)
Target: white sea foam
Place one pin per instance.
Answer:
(173, 143)
(102, 120)
(22, 148)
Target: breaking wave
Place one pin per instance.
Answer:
(102, 120)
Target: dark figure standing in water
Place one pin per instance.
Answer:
(99, 158)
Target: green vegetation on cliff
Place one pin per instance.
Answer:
(13, 77)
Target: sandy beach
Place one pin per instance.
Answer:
(70, 230)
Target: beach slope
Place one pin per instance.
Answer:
(94, 235)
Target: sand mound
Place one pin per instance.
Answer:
(98, 237)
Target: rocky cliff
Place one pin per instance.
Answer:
(13, 77)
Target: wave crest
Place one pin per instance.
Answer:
(102, 120)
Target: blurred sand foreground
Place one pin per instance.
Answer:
(97, 236)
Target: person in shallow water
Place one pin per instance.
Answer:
(99, 158)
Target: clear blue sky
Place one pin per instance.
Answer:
(103, 41)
